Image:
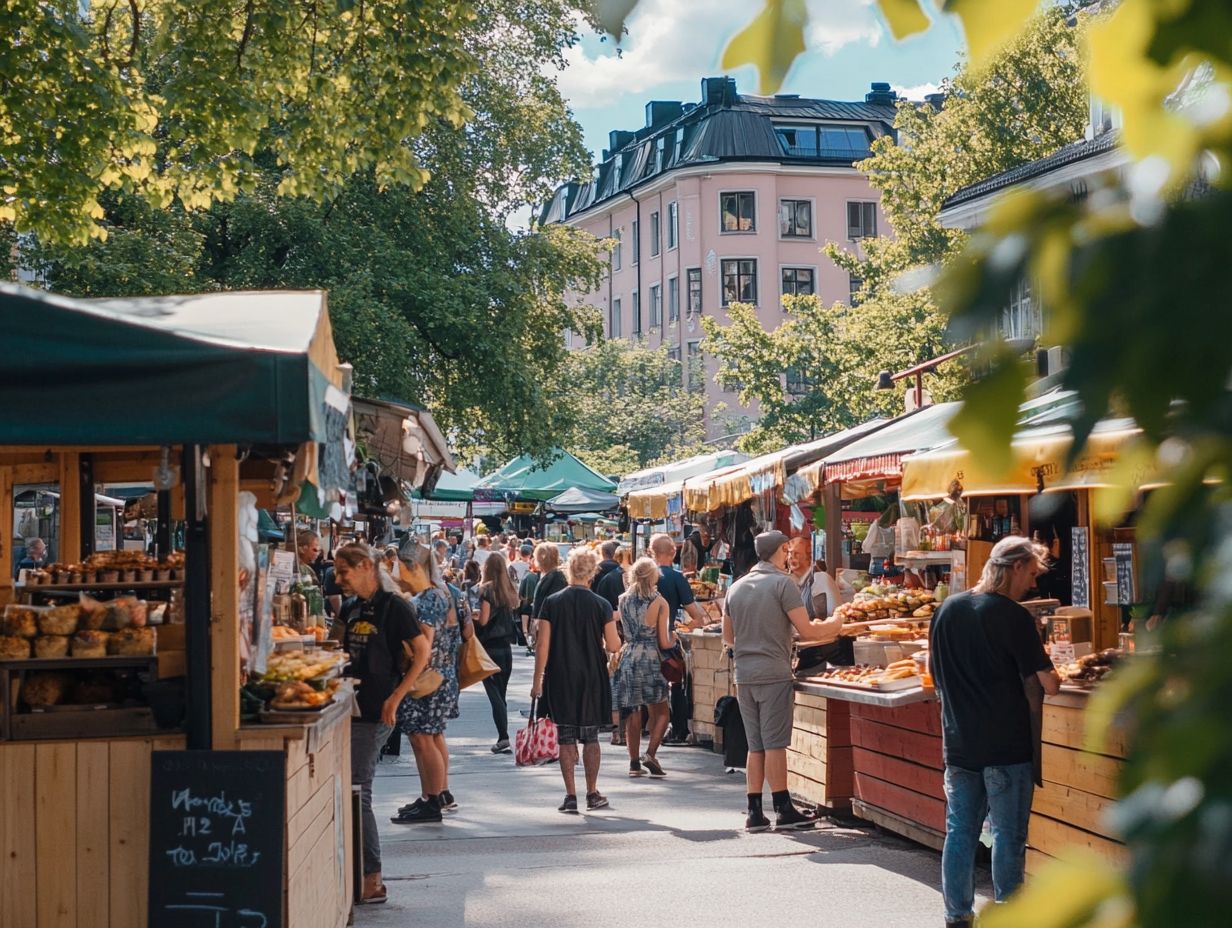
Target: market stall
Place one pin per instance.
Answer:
(212, 396)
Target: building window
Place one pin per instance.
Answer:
(854, 286)
(798, 281)
(1022, 318)
(796, 218)
(739, 281)
(637, 241)
(654, 234)
(656, 306)
(613, 320)
(637, 313)
(845, 143)
(697, 368)
(694, 275)
(861, 220)
(798, 383)
(673, 225)
(616, 251)
(673, 299)
(738, 212)
(673, 355)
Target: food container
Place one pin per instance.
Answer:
(145, 575)
(108, 576)
(1110, 593)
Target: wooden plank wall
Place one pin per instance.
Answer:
(896, 756)
(711, 682)
(74, 839)
(819, 761)
(1079, 787)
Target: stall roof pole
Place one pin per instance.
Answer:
(197, 602)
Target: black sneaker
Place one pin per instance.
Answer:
(412, 805)
(790, 818)
(635, 769)
(448, 803)
(596, 800)
(427, 813)
(653, 766)
(569, 806)
(755, 821)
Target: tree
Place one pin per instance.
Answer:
(629, 410)
(176, 100)
(433, 297)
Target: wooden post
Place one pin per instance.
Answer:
(197, 601)
(832, 496)
(223, 496)
(85, 485)
(6, 535)
(70, 507)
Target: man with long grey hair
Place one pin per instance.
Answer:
(984, 648)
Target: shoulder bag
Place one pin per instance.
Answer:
(474, 664)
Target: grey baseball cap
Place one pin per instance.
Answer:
(767, 543)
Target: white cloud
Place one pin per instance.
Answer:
(835, 24)
(673, 41)
(667, 41)
(918, 92)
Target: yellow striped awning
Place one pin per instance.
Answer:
(654, 502)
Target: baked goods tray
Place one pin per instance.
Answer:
(291, 716)
(892, 686)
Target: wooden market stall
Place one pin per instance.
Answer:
(220, 393)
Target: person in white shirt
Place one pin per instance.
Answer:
(483, 550)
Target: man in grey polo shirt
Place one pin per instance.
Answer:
(761, 611)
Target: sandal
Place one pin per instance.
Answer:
(381, 895)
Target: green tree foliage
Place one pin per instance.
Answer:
(1026, 103)
(176, 100)
(629, 409)
(433, 296)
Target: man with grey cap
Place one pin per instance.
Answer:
(762, 610)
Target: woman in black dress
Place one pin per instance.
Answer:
(551, 580)
(576, 632)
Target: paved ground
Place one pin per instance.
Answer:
(668, 851)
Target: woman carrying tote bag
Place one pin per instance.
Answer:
(498, 602)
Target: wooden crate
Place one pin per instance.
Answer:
(819, 758)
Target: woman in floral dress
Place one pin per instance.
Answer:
(638, 680)
(439, 608)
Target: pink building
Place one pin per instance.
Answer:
(727, 200)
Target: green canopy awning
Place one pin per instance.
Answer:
(458, 487)
(523, 479)
(212, 368)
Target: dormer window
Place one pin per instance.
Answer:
(850, 143)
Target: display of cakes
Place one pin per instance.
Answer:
(85, 629)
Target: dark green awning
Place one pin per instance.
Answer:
(524, 479)
(245, 368)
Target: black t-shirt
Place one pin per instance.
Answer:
(676, 590)
(501, 628)
(375, 630)
(982, 646)
(611, 585)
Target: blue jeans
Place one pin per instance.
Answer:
(1004, 795)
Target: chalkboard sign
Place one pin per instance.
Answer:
(1080, 569)
(217, 821)
(1124, 554)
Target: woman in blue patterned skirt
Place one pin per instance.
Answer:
(638, 680)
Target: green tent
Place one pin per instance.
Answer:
(458, 487)
(524, 479)
(211, 368)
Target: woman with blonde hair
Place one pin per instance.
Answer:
(551, 580)
(442, 614)
(638, 680)
(576, 630)
(498, 602)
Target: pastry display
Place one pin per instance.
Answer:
(51, 646)
(19, 621)
(302, 665)
(872, 676)
(89, 643)
(14, 648)
(1090, 668)
(60, 620)
(298, 695)
(45, 688)
(131, 642)
(896, 604)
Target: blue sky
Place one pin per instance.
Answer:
(673, 44)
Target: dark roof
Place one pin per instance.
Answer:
(1076, 151)
(725, 126)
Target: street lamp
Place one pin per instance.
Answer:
(886, 380)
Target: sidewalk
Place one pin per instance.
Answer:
(666, 850)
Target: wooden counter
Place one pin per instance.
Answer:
(711, 682)
(819, 759)
(74, 826)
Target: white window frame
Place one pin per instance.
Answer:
(673, 225)
(796, 267)
(656, 234)
(673, 299)
(737, 191)
(756, 279)
(864, 233)
(1023, 317)
(615, 325)
(636, 232)
(656, 307)
(812, 236)
(635, 299)
(701, 291)
(617, 251)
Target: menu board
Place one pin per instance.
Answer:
(1126, 590)
(217, 822)
(1080, 569)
